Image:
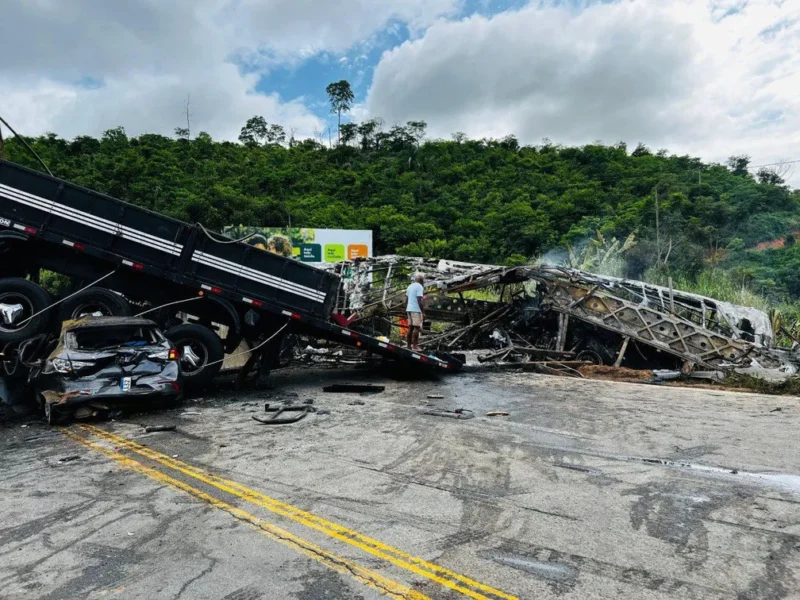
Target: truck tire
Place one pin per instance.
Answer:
(205, 347)
(93, 300)
(33, 299)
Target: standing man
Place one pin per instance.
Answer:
(416, 311)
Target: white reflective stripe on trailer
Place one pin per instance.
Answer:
(90, 220)
(228, 266)
(253, 273)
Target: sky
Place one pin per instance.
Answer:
(709, 78)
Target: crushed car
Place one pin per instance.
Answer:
(104, 363)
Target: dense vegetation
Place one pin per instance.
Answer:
(492, 201)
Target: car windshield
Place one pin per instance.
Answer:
(97, 338)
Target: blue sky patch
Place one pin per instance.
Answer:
(308, 79)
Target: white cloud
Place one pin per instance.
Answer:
(708, 78)
(289, 27)
(148, 55)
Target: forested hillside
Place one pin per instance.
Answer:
(491, 201)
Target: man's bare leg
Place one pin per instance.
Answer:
(410, 336)
(415, 336)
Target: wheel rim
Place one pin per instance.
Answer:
(590, 356)
(27, 311)
(198, 349)
(91, 307)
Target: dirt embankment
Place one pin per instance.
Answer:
(615, 373)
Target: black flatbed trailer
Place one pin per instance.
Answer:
(49, 223)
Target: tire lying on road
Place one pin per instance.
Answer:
(93, 300)
(198, 347)
(32, 298)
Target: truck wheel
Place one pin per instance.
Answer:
(198, 347)
(19, 300)
(597, 352)
(94, 300)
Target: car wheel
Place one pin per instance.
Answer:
(20, 299)
(200, 350)
(51, 415)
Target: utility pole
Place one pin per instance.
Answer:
(187, 108)
(658, 229)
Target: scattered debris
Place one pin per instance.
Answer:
(497, 413)
(356, 403)
(302, 411)
(546, 317)
(67, 459)
(32, 438)
(435, 396)
(353, 388)
(155, 428)
(778, 409)
(459, 413)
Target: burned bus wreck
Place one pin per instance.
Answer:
(531, 313)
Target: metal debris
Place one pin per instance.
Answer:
(344, 388)
(155, 428)
(459, 413)
(559, 318)
(276, 417)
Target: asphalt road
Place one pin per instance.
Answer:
(587, 489)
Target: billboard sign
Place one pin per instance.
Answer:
(307, 244)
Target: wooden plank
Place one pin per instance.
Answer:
(622, 350)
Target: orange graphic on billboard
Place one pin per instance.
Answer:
(357, 251)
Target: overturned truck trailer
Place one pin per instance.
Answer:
(558, 312)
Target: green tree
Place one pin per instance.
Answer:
(341, 97)
(769, 177)
(738, 164)
(275, 134)
(349, 131)
(255, 131)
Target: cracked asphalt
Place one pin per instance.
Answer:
(588, 489)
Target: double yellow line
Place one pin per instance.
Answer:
(454, 581)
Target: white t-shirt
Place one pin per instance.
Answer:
(414, 292)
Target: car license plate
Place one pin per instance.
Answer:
(125, 384)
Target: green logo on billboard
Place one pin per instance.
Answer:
(334, 252)
(310, 252)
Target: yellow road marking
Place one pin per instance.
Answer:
(397, 557)
(309, 549)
